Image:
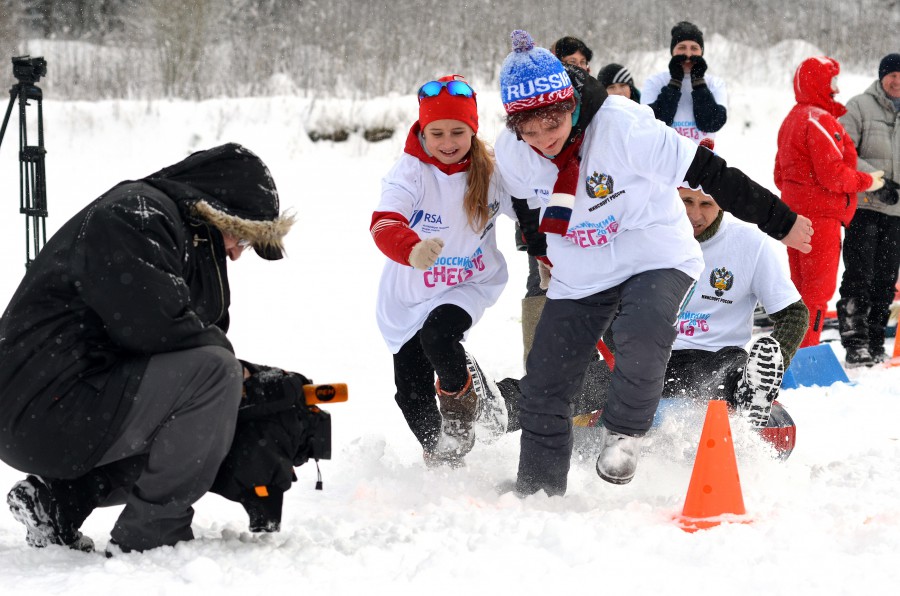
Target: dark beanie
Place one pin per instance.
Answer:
(614, 73)
(685, 31)
(567, 46)
(889, 64)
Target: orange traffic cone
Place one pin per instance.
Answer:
(895, 357)
(714, 494)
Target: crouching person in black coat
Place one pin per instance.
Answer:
(117, 381)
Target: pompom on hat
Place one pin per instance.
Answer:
(531, 77)
(445, 106)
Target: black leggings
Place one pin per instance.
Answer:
(436, 348)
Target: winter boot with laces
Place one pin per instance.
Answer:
(618, 457)
(760, 382)
(33, 503)
(458, 422)
(491, 418)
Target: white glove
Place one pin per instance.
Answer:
(544, 273)
(425, 253)
(877, 180)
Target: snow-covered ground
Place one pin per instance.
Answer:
(827, 521)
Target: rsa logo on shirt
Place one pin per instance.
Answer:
(431, 222)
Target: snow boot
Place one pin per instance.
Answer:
(858, 356)
(760, 382)
(853, 324)
(491, 418)
(618, 457)
(34, 505)
(457, 422)
(878, 354)
(434, 459)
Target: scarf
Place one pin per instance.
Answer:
(589, 95)
(559, 211)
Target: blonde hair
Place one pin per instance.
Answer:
(481, 168)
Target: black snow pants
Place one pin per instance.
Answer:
(871, 260)
(436, 348)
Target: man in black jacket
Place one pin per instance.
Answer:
(117, 382)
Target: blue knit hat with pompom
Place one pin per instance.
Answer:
(532, 77)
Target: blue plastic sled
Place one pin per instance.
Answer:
(815, 365)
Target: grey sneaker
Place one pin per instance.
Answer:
(491, 418)
(760, 382)
(618, 456)
(32, 504)
(457, 422)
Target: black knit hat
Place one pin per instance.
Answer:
(567, 46)
(684, 31)
(889, 64)
(614, 73)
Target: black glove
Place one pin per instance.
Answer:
(269, 390)
(676, 67)
(698, 68)
(888, 194)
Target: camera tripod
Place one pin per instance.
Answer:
(32, 174)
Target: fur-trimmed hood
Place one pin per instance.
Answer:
(230, 188)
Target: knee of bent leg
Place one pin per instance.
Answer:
(223, 368)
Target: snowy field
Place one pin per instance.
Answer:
(827, 521)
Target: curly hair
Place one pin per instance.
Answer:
(553, 113)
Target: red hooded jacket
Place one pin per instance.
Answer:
(815, 167)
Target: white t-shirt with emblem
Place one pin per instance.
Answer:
(685, 123)
(743, 267)
(628, 217)
(470, 272)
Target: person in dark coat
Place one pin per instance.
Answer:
(872, 240)
(117, 381)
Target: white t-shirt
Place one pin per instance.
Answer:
(470, 272)
(742, 268)
(684, 122)
(627, 217)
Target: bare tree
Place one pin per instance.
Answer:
(366, 48)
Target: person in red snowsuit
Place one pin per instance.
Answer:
(815, 170)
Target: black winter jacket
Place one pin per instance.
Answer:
(133, 274)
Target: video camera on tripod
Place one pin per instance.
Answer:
(32, 174)
(29, 70)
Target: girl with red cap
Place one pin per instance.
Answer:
(815, 170)
(435, 223)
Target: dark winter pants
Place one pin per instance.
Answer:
(815, 273)
(871, 261)
(178, 430)
(694, 374)
(565, 344)
(436, 348)
(533, 282)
